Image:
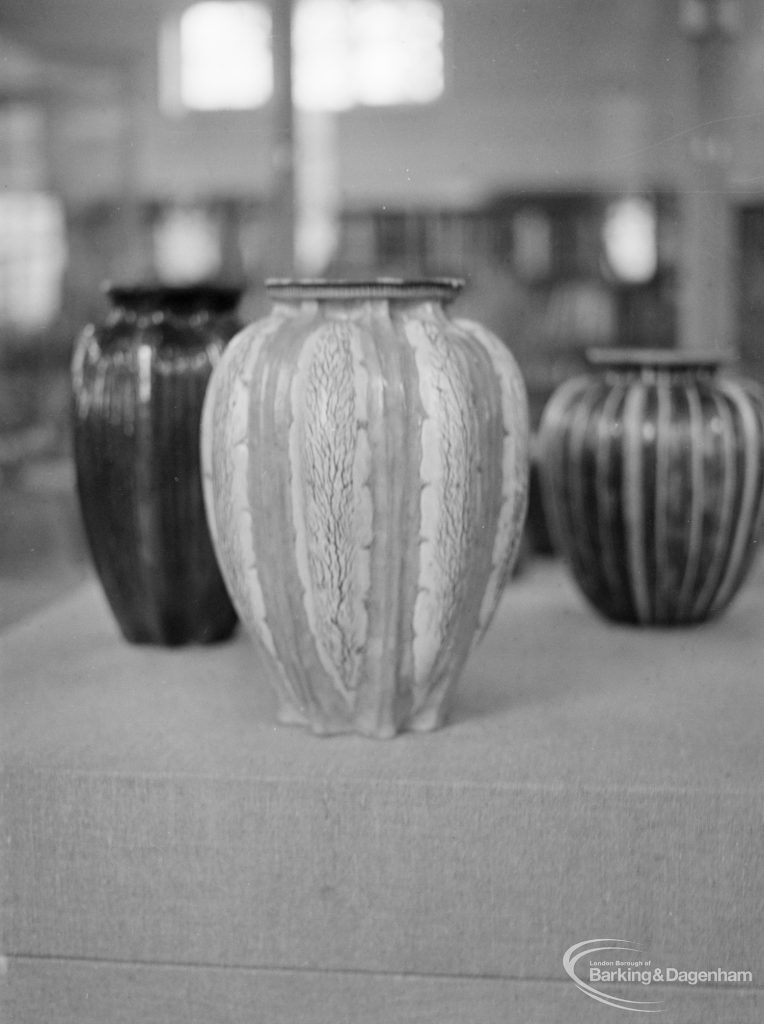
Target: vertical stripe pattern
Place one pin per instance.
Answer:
(652, 481)
(138, 385)
(365, 497)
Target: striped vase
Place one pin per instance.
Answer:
(653, 471)
(138, 383)
(365, 469)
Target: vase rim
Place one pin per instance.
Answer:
(658, 358)
(320, 288)
(221, 295)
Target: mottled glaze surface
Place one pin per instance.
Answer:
(365, 466)
(138, 383)
(653, 472)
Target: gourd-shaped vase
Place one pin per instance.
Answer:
(365, 465)
(138, 382)
(653, 472)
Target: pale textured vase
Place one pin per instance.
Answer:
(653, 477)
(365, 470)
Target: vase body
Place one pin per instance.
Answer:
(365, 464)
(138, 384)
(652, 470)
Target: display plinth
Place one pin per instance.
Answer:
(594, 780)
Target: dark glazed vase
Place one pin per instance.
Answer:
(138, 383)
(652, 471)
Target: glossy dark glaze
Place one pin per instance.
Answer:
(138, 383)
(653, 476)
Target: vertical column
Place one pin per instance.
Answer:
(279, 259)
(134, 260)
(317, 191)
(707, 297)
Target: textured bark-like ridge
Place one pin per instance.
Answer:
(329, 453)
(653, 485)
(394, 418)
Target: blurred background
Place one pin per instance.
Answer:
(593, 169)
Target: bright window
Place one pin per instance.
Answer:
(397, 51)
(346, 53)
(32, 257)
(225, 55)
(187, 245)
(322, 65)
(630, 240)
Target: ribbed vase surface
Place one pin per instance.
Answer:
(653, 473)
(365, 467)
(138, 382)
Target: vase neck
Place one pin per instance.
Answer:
(655, 364)
(323, 290)
(183, 301)
(660, 374)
